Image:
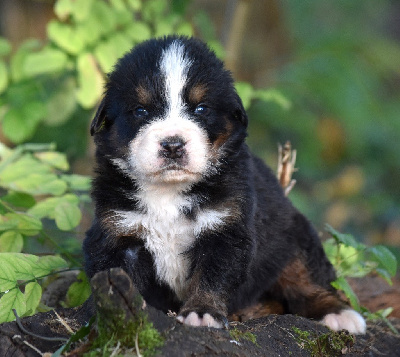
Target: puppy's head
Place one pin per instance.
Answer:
(170, 113)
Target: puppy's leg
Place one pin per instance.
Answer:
(304, 296)
(219, 265)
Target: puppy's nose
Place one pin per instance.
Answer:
(172, 147)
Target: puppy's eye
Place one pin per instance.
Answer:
(140, 112)
(202, 109)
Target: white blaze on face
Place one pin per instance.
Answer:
(145, 159)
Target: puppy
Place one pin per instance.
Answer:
(199, 223)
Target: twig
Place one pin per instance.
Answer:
(25, 331)
(116, 349)
(286, 166)
(63, 322)
(137, 345)
(28, 344)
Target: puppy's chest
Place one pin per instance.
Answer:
(168, 234)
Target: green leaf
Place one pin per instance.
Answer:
(14, 126)
(342, 284)
(135, 5)
(48, 60)
(18, 59)
(184, 29)
(67, 216)
(40, 184)
(20, 263)
(104, 53)
(14, 299)
(8, 276)
(28, 266)
(104, 14)
(55, 159)
(20, 124)
(345, 239)
(8, 222)
(138, 31)
(46, 207)
(62, 104)
(64, 8)
(19, 199)
(82, 9)
(118, 5)
(47, 264)
(33, 294)
(66, 37)
(21, 168)
(77, 182)
(154, 10)
(78, 9)
(11, 241)
(3, 77)
(21, 223)
(384, 274)
(90, 81)
(107, 53)
(90, 30)
(245, 92)
(79, 291)
(273, 95)
(5, 47)
(27, 225)
(385, 257)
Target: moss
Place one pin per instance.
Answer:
(325, 345)
(238, 335)
(118, 335)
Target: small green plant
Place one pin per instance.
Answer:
(324, 345)
(36, 195)
(239, 335)
(116, 336)
(353, 259)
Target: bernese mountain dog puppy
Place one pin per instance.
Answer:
(199, 223)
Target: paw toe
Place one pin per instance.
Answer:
(349, 320)
(193, 319)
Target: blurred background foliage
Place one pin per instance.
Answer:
(323, 74)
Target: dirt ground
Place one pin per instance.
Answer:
(274, 335)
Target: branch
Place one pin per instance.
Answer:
(286, 166)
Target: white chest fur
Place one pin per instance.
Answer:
(167, 233)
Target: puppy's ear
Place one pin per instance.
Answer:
(240, 113)
(99, 119)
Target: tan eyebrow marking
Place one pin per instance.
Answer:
(143, 94)
(197, 93)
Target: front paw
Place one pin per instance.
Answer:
(208, 319)
(348, 319)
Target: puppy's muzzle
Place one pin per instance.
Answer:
(172, 147)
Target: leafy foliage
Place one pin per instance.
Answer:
(84, 42)
(35, 190)
(353, 259)
(17, 267)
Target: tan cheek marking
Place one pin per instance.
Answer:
(143, 94)
(223, 137)
(197, 93)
